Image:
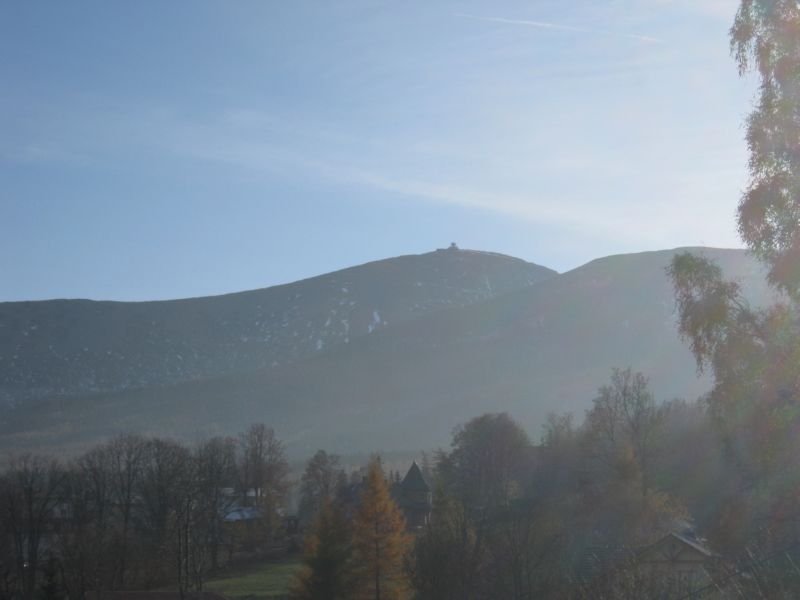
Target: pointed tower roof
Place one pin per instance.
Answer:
(414, 480)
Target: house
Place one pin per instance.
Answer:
(453, 247)
(413, 496)
(676, 565)
(679, 562)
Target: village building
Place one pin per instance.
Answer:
(684, 562)
(413, 496)
(676, 565)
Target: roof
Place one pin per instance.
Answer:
(598, 560)
(595, 561)
(243, 513)
(695, 545)
(414, 480)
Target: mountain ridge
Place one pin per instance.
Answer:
(541, 348)
(65, 347)
(341, 271)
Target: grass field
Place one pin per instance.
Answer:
(257, 581)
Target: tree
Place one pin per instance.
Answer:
(264, 471)
(319, 483)
(185, 544)
(766, 37)
(9, 576)
(51, 588)
(525, 545)
(754, 355)
(30, 491)
(623, 426)
(489, 458)
(187, 547)
(126, 457)
(559, 455)
(449, 554)
(93, 475)
(82, 543)
(328, 561)
(166, 492)
(380, 540)
(166, 473)
(622, 437)
(216, 469)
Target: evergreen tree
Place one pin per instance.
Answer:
(380, 540)
(328, 562)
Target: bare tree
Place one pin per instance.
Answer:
(216, 471)
(81, 543)
(169, 517)
(264, 470)
(624, 423)
(9, 578)
(526, 547)
(126, 457)
(30, 491)
(166, 473)
(319, 483)
(450, 555)
(183, 539)
(85, 544)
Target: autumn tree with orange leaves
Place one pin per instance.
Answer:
(380, 541)
(753, 352)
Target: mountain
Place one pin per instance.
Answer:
(73, 347)
(534, 347)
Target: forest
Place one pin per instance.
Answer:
(565, 515)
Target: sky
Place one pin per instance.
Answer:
(153, 150)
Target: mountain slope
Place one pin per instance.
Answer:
(75, 347)
(543, 348)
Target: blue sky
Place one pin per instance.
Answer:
(167, 149)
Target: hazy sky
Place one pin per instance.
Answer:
(167, 149)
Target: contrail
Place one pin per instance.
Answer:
(556, 26)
